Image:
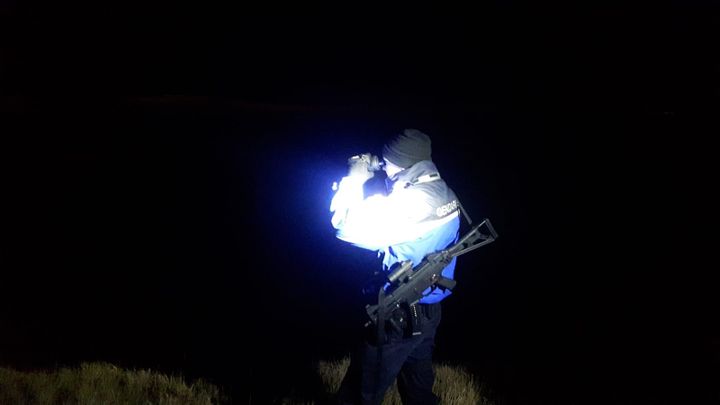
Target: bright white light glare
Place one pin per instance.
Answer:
(380, 221)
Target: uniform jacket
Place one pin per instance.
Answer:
(418, 216)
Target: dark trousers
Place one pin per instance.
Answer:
(407, 358)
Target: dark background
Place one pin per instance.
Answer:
(166, 178)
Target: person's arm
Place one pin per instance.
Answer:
(377, 221)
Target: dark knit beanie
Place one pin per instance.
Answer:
(407, 148)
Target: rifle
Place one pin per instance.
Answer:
(407, 284)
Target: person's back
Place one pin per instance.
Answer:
(434, 232)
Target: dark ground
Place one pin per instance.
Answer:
(166, 185)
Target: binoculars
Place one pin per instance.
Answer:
(372, 162)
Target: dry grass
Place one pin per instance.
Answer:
(100, 383)
(454, 385)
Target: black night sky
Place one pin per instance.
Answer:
(166, 177)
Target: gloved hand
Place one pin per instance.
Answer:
(361, 166)
(350, 189)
